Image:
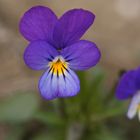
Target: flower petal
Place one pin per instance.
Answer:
(71, 26)
(127, 85)
(38, 54)
(137, 71)
(70, 85)
(134, 106)
(38, 24)
(139, 115)
(82, 55)
(48, 86)
(132, 110)
(51, 86)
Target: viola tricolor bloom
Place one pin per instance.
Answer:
(55, 47)
(129, 88)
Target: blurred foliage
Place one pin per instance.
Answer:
(94, 114)
(18, 108)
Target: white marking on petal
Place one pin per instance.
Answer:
(139, 114)
(133, 108)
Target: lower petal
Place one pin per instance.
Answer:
(134, 106)
(48, 86)
(68, 86)
(132, 110)
(54, 86)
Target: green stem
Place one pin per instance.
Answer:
(62, 108)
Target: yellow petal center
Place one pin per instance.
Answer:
(58, 66)
(138, 107)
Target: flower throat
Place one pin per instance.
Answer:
(58, 66)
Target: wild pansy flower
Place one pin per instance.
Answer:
(129, 87)
(55, 47)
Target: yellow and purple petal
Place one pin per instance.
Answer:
(38, 24)
(38, 54)
(82, 55)
(71, 27)
(59, 85)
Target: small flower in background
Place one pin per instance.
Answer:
(129, 87)
(55, 47)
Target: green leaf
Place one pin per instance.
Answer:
(18, 108)
(54, 134)
(95, 92)
(107, 112)
(49, 118)
(106, 134)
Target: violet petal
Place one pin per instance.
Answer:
(38, 24)
(38, 54)
(126, 87)
(71, 26)
(82, 55)
(51, 86)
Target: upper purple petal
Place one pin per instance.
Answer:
(127, 85)
(38, 54)
(71, 26)
(38, 24)
(81, 55)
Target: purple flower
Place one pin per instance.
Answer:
(129, 87)
(55, 47)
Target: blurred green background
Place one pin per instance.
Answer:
(94, 114)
